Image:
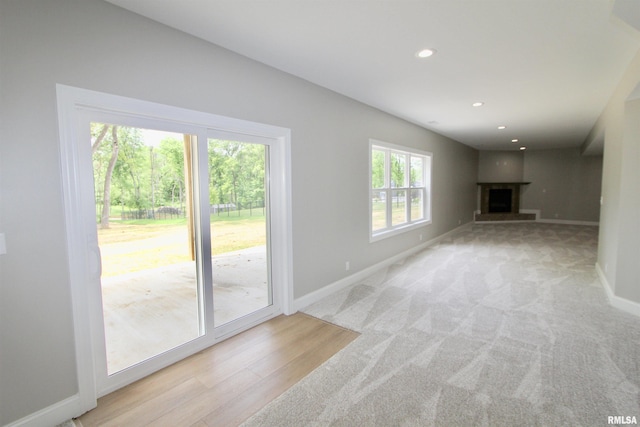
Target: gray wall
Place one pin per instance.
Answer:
(619, 226)
(500, 166)
(628, 273)
(565, 185)
(97, 46)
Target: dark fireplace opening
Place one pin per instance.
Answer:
(499, 200)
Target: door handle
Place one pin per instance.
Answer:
(95, 261)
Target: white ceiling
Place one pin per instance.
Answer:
(543, 68)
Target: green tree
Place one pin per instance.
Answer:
(397, 170)
(133, 168)
(171, 158)
(105, 148)
(117, 163)
(236, 171)
(377, 168)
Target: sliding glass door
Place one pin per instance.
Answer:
(178, 234)
(239, 212)
(151, 292)
(182, 223)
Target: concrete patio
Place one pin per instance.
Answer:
(151, 311)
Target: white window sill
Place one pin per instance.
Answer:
(381, 235)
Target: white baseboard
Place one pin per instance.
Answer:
(558, 221)
(329, 289)
(569, 222)
(623, 304)
(531, 211)
(52, 415)
(537, 212)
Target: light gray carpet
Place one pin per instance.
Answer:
(500, 325)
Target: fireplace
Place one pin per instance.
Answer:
(500, 201)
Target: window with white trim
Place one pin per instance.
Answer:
(399, 188)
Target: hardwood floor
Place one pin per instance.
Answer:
(227, 383)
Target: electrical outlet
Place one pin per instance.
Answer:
(347, 266)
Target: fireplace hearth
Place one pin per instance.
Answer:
(500, 201)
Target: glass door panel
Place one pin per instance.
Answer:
(144, 217)
(239, 208)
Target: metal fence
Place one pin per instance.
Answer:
(164, 212)
(252, 208)
(255, 207)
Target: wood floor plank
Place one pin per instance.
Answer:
(272, 386)
(227, 383)
(267, 365)
(137, 393)
(161, 404)
(222, 367)
(223, 392)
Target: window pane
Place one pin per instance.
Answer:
(378, 210)
(238, 173)
(400, 180)
(150, 291)
(398, 170)
(417, 171)
(417, 204)
(398, 207)
(378, 160)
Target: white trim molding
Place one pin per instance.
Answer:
(569, 222)
(623, 304)
(537, 213)
(51, 415)
(530, 211)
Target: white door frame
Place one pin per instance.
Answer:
(74, 107)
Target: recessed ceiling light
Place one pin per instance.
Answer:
(502, 127)
(477, 104)
(425, 53)
(523, 148)
(514, 140)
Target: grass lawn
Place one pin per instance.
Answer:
(398, 213)
(135, 245)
